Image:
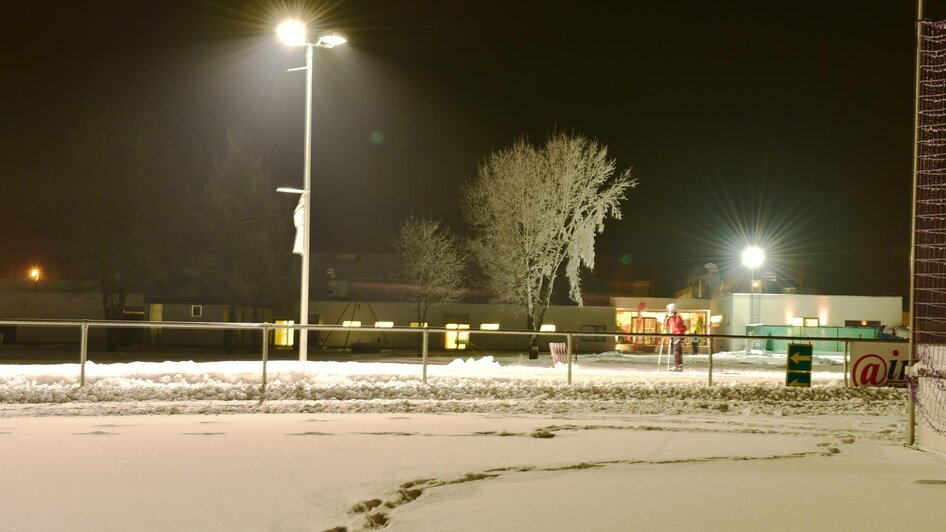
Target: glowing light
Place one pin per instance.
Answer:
(384, 324)
(35, 274)
(756, 283)
(812, 322)
(753, 257)
(489, 326)
(351, 323)
(283, 337)
(291, 32)
(418, 324)
(717, 319)
(459, 339)
(798, 322)
(547, 327)
(331, 40)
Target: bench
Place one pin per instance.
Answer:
(559, 352)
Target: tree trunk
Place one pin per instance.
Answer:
(533, 339)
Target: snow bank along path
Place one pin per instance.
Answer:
(463, 386)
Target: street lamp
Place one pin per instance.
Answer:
(34, 274)
(753, 258)
(293, 33)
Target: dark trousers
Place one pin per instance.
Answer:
(676, 345)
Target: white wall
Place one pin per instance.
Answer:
(779, 309)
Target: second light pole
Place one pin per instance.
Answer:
(293, 33)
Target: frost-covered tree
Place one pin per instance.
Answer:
(534, 211)
(430, 264)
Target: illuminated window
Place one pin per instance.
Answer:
(418, 324)
(717, 319)
(812, 322)
(547, 327)
(384, 324)
(798, 322)
(489, 326)
(457, 337)
(284, 337)
(197, 311)
(351, 323)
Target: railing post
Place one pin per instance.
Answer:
(83, 351)
(262, 388)
(847, 346)
(568, 355)
(710, 373)
(423, 352)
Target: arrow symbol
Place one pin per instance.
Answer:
(796, 358)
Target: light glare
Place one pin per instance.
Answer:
(291, 32)
(753, 257)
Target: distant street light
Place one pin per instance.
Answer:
(753, 257)
(293, 33)
(34, 274)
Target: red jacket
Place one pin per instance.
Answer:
(674, 324)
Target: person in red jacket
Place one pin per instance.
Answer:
(674, 325)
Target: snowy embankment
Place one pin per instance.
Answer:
(481, 385)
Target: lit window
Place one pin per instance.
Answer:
(384, 324)
(458, 336)
(489, 326)
(812, 322)
(418, 324)
(547, 327)
(284, 337)
(352, 323)
(716, 320)
(798, 322)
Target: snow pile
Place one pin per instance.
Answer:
(462, 386)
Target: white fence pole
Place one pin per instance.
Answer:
(83, 351)
(262, 388)
(424, 352)
(568, 355)
(710, 373)
(847, 346)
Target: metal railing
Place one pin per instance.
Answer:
(267, 328)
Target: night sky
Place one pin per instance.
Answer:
(784, 123)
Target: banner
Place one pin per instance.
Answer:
(879, 363)
(298, 220)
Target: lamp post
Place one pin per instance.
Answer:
(293, 33)
(753, 258)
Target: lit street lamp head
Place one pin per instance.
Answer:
(753, 257)
(291, 32)
(331, 40)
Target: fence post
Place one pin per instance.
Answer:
(710, 351)
(568, 355)
(262, 388)
(847, 346)
(83, 351)
(423, 351)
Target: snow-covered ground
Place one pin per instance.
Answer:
(488, 444)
